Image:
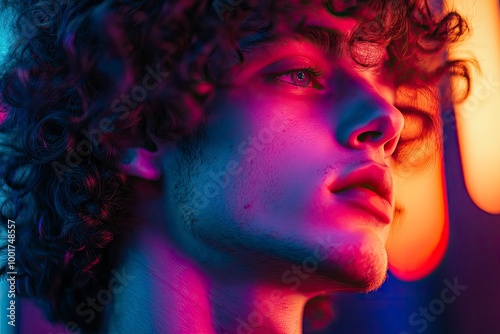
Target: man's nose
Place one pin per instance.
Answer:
(369, 122)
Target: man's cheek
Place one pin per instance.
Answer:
(247, 152)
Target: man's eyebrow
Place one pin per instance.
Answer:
(330, 41)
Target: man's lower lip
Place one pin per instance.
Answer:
(367, 200)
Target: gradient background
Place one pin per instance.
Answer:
(472, 258)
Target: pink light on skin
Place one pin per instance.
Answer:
(260, 230)
(288, 131)
(141, 162)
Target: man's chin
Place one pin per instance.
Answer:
(359, 266)
(364, 274)
(370, 281)
(348, 281)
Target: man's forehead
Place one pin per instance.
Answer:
(326, 13)
(330, 34)
(330, 41)
(312, 23)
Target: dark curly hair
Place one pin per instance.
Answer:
(60, 92)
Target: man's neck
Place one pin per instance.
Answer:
(168, 293)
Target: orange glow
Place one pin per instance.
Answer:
(478, 119)
(419, 236)
(419, 239)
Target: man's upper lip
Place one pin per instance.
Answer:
(374, 177)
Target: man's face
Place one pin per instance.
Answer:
(292, 170)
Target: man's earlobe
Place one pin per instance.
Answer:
(141, 163)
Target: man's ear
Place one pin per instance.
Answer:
(142, 163)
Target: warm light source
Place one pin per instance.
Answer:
(419, 239)
(478, 119)
(419, 236)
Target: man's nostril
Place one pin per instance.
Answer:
(369, 136)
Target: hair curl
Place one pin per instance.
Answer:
(64, 76)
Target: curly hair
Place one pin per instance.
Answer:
(67, 119)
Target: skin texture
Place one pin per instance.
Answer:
(245, 229)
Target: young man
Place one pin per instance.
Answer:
(209, 167)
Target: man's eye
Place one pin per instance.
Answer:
(305, 77)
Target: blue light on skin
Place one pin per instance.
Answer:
(249, 239)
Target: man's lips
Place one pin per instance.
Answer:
(368, 187)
